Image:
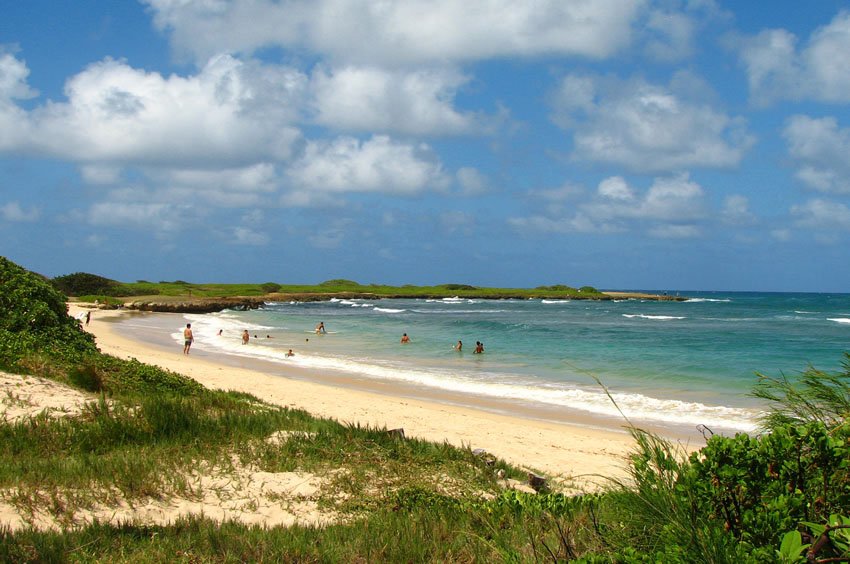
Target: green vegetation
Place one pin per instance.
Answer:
(781, 496)
(81, 286)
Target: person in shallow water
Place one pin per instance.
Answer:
(245, 337)
(320, 328)
(459, 346)
(479, 348)
(405, 339)
(188, 338)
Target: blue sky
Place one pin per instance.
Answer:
(624, 144)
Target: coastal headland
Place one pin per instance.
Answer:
(189, 304)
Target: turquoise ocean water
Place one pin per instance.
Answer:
(667, 364)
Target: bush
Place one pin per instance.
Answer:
(340, 282)
(35, 320)
(83, 283)
(459, 287)
(270, 287)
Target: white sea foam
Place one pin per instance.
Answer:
(555, 301)
(839, 319)
(525, 389)
(389, 310)
(659, 317)
(698, 300)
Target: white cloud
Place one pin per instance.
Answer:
(647, 127)
(818, 71)
(13, 86)
(670, 36)
(821, 215)
(13, 79)
(821, 148)
(616, 188)
(376, 165)
(162, 218)
(736, 210)
(100, 174)
(13, 211)
(471, 181)
(672, 231)
(373, 99)
(246, 236)
(669, 208)
(230, 113)
(401, 32)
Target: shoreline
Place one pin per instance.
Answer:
(578, 454)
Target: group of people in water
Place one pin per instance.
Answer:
(188, 339)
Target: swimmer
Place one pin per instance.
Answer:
(290, 353)
(479, 348)
(459, 346)
(405, 339)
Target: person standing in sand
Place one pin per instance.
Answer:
(188, 338)
(88, 317)
(245, 337)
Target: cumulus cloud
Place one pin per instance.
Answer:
(373, 99)
(777, 70)
(402, 32)
(378, 164)
(231, 112)
(13, 87)
(821, 149)
(821, 215)
(670, 208)
(647, 127)
(162, 218)
(12, 211)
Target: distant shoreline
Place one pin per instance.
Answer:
(189, 304)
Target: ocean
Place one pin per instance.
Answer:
(659, 364)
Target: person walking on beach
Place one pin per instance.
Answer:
(245, 337)
(188, 338)
(405, 339)
(320, 328)
(88, 317)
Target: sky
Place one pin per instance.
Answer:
(623, 144)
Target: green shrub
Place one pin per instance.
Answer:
(82, 283)
(459, 287)
(270, 287)
(35, 320)
(339, 282)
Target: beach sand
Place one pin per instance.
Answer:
(578, 458)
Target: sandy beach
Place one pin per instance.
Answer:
(574, 454)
